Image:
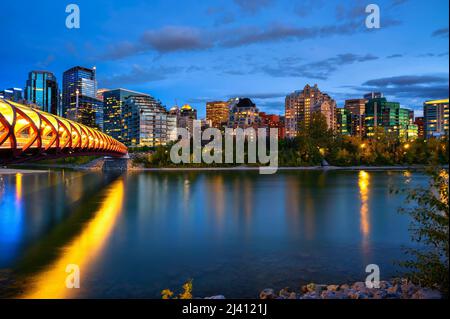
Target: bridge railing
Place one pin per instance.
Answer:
(30, 134)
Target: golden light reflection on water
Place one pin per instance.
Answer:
(363, 182)
(18, 187)
(82, 251)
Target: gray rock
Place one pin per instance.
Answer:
(359, 286)
(285, 293)
(426, 293)
(358, 295)
(385, 284)
(311, 287)
(267, 293)
(408, 289)
(332, 287)
(344, 287)
(320, 288)
(395, 289)
(327, 294)
(293, 295)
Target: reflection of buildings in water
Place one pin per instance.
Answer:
(248, 197)
(2, 188)
(300, 206)
(363, 183)
(73, 186)
(81, 251)
(11, 216)
(218, 197)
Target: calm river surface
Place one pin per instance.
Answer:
(233, 233)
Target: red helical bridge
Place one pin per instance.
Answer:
(28, 134)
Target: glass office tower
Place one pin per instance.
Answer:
(41, 91)
(79, 100)
(113, 117)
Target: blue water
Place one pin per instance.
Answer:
(233, 233)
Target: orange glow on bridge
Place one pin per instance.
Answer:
(28, 134)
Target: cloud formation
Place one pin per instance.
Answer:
(423, 87)
(440, 33)
(184, 38)
(316, 70)
(139, 75)
(252, 6)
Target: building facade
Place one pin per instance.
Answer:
(273, 121)
(145, 122)
(217, 113)
(300, 105)
(419, 121)
(79, 98)
(186, 116)
(13, 94)
(435, 113)
(389, 116)
(112, 111)
(343, 121)
(41, 91)
(356, 109)
(243, 113)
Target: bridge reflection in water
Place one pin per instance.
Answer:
(81, 251)
(27, 134)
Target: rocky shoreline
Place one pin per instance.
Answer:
(394, 289)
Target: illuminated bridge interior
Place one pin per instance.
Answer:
(28, 134)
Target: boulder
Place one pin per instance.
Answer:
(267, 293)
(426, 293)
(285, 293)
(332, 287)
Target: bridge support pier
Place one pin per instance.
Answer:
(115, 164)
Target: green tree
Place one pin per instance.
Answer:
(430, 266)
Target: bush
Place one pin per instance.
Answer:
(430, 266)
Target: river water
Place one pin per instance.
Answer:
(233, 233)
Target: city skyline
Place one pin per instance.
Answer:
(223, 49)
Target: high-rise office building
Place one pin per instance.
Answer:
(79, 99)
(13, 94)
(356, 109)
(243, 113)
(186, 116)
(419, 121)
(435, 113)
(145, 122)
(373, 95)
(343, 121)
(217, 113)
(389, 116)
(100, 92)
(300, 105)
(112, 110)
(41, 91)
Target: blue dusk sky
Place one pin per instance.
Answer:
(194, 51)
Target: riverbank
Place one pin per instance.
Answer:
(394, 289)
(13, 171)
(97, 166)
(300, 168)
